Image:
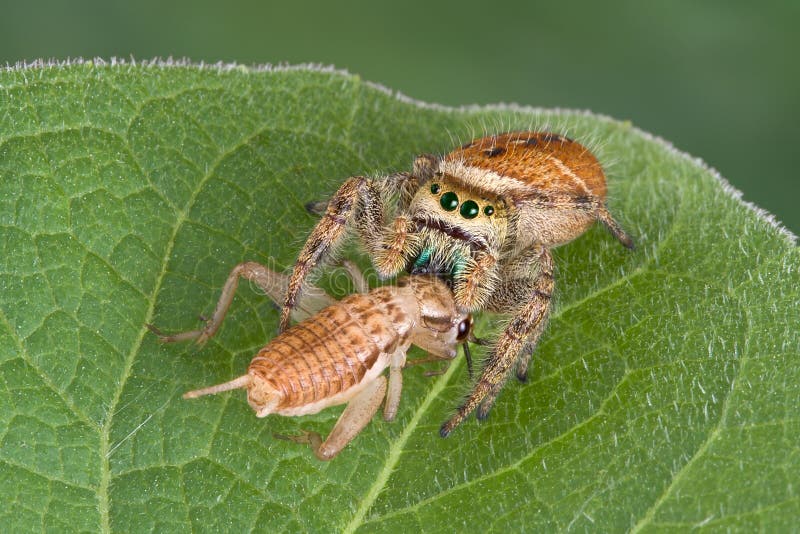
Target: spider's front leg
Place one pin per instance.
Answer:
(474, 285)
(357, 199)
(391, 252)
(360, 201)
(521, 332)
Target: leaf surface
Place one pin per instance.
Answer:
(665, 393)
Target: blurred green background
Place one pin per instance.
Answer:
(721, 80)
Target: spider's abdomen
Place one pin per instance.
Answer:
(530, 163)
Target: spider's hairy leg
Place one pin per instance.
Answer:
(390, 249)
(537, 289)
(474, 285)
(390, 255)
(518, 279)
(401, 183)
(521, 331)
(425, 166)
(356, 197)
(604, 216)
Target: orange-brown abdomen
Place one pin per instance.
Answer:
(543, 161)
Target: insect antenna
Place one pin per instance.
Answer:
(243, 381)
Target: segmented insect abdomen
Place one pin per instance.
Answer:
(331, 351)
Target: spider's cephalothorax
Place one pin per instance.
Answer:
(485, 217)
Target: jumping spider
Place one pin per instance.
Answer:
(485, 217)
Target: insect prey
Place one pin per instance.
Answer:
(337, 353)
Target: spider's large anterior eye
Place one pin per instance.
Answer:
(435, 188)
(469, 209)
(449, 201)
(488, 211)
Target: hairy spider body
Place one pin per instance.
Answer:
(484, 217)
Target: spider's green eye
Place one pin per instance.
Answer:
(449, 201)
(488, 211)
(469, 209)
(435, 188)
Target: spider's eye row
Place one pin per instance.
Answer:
(469, 209)
(449, 201)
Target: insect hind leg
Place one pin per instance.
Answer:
(270, 282)
(354, 418)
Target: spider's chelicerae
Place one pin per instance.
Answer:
(485, 217)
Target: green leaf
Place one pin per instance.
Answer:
(664, 395)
